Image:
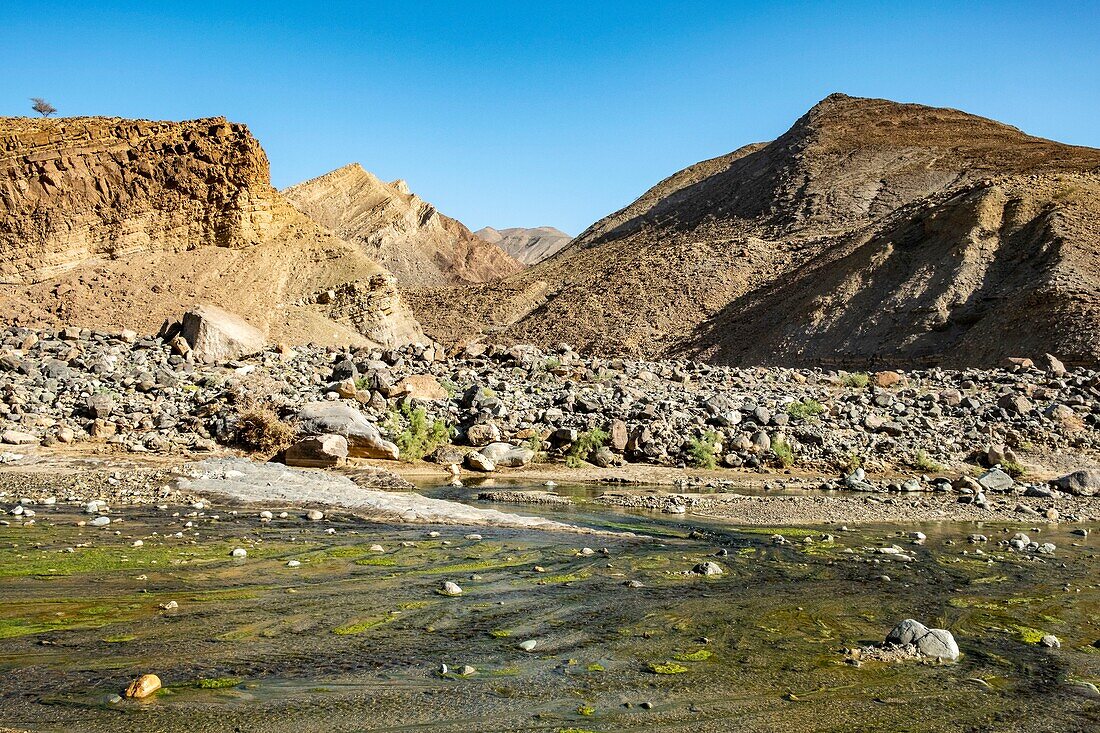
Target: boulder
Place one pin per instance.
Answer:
(482, 434)
(938, 644)
(906, 632)
(338, 418)
(17, 437)
(420, 387)
(1085, 482)
(618, 436)
(1053, 365)
(477, 462)
(1016, 404)
(508, 455)
(321, 451)
(216, 336)
(886, 379)
(995, 480)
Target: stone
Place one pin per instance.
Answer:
(1013, 403)
(321, 451)
(239, 552)
(315, 515)
(618, 436)
(507, 455)
(143, 686)
(996, 480)
(1053, 365)
(906, 632)
(420, 387)
(886, 379)
(477, 462)
(938, 644)
(17, 437)
(217, 336)
(708, 568)
(451, 589)
(1051, 641)
(528, 645)
(1085, 482)
(482, 434)
(364, 439)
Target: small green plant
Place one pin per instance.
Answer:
(414, 434)
(925, 462)
(701, 450)
(217, 683)
(851, 462)
(551, 363)
(807, 409)
(586, 444)
(667, 668)
(1013, 469)
(362, 383)
(784, 452)
(856, 379)
(586, 710)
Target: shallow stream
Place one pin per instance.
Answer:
(353, 639)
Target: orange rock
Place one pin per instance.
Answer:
(887, 379)
(143, 686)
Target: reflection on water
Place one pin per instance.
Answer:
(354, 638)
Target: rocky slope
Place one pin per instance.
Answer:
(420, 246)
(527, 246)
(124, 223)
(871, 232)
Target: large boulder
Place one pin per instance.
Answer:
(338, 418)
(320, 451)
(217, 336)
(420, 387)
(1085, 482)
(906, 632)
(508, 455)
(931, 643)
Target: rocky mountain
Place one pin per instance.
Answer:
(527, 246)
(871, 232)
(117, 223)
(420, 246)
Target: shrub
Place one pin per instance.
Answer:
(701, 450)
(784, 452)
(925, 463)
(807, 409)
(856, 379)
(586, 444)
(259, 429)
(414, 435)
(851, 462)
(1013, 469)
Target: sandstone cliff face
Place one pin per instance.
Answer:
(526, 246)
(124, 223)
(406, 234)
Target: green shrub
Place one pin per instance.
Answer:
(414, 435)
(701, 450)
(851, 462)
(856, 379)
(586, 444)
(1013, 469)
(807, 409)
(925, 462)
(784, 452)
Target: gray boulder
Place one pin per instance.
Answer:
(938, 644)
(216, 336)
(906, 632)
(996, 480)
(477, 462)
(338, 418)
(1085, 482)
(508, 455)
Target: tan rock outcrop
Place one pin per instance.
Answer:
(406, 234)
(118, 223)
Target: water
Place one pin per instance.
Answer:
(353, 639)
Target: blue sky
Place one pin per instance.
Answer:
(542, 113)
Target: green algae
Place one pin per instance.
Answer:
(365, 625)
(217, 683)
(700, 655)
(667, 668)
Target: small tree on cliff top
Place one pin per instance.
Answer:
(42, 107)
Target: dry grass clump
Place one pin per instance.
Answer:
(259, 429)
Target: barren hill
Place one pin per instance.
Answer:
(527, 246)
(871, 232)
(406, 234)
(120, 223)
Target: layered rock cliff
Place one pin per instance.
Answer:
(528, 246)
(123, 223)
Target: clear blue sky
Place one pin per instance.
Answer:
(542, 113)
